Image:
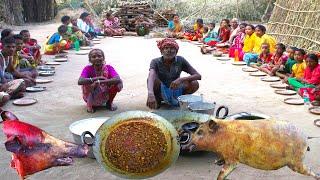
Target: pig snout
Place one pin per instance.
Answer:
(78, 151)
(63, 157)
(185, 141)
(184, 138)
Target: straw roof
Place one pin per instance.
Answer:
(296, 23)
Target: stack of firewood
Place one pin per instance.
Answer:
(129, 11)
(162, 17)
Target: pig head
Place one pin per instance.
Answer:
(35, 150)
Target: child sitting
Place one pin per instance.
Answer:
(25, 62)
(197, 32)
(74, 33)
(31, 47)
(57, 42)
(5, 33)
(264, 57)
(27, 73)
(277, 60)
(286, 70)
(311, 77)
(298, 70)
(212, 35)
(204, 34)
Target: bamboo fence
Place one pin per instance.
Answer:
(296, 23)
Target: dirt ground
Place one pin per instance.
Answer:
(221, 82)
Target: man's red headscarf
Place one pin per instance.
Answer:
(167, 42)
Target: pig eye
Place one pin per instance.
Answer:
(193, 126)
(200, 132)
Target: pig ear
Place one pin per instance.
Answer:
(7, 115)
(213, 125)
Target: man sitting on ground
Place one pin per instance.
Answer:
(164, 81)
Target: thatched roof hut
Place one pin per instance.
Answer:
(296, 23)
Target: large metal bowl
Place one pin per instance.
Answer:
(185, 100)
(115, 124)
(90, 124)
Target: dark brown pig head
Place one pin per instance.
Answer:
(35, 150)
(197, 136)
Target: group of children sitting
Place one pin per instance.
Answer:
(249, 43)
(20, 54)
(19, 57)
(73, 33)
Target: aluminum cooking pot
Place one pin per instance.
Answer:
(135, 144)
(208, 108)
(90, 124)
(185, 100)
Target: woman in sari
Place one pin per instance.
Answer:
(238, 43)
(100, 82)
(175, 28)
(224, 31)
(112, 26)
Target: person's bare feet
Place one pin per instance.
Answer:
(111, 107)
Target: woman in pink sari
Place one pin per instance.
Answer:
(112, 26)
(100, 82)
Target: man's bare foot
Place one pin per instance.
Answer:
(111, 107)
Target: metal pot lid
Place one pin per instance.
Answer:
(136, 145)
(196, 106)
(189, 98)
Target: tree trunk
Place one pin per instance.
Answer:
(39, 10)
(12, 12)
